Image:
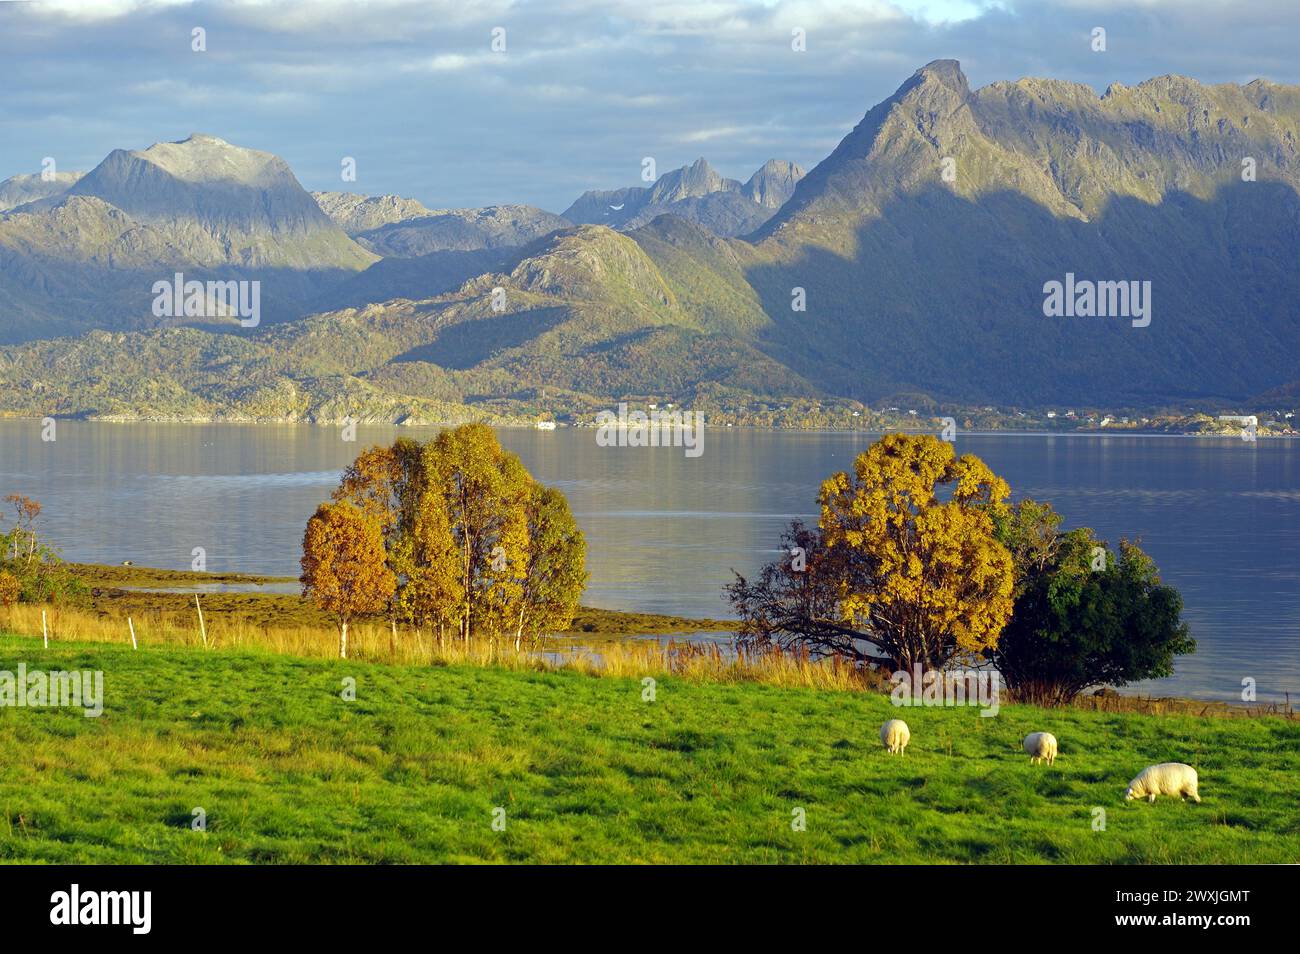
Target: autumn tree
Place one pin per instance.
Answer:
(41, 574)
(391, 486)
(556, 571)
(485, 489)
(10, 589)
(473, 541)
(425, 560)
(23, 536)
(387, 484)
(903, 560)
(344, 568)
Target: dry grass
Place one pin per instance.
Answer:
(1168, 705)
(373, 641)
(383, 643)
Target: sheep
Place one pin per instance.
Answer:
(1167, 778)
(895, 735)
(1040, 745)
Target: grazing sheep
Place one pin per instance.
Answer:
(895, 735)
(1167, 778)
(1040, 745)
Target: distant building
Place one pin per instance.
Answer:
(1245, 420)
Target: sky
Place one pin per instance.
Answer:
(583, 90)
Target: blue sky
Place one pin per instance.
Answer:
(584, 89)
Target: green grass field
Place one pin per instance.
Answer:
(586, 771)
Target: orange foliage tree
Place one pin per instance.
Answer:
(475, 544)
(344, 569)
(892, 565)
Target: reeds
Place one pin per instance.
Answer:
(404, 645)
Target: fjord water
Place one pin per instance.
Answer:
(1221, 517)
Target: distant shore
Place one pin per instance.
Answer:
(908, 427)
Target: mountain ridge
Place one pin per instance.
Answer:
(912, 260)
(696, 192)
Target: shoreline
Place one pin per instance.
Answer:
(153, 590)
(126, 590)
(972, 432)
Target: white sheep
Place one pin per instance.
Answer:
(895, 735)
(1167, 778)
(1040, 745)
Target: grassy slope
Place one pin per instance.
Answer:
(587, 771)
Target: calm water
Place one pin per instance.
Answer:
(1220, 517)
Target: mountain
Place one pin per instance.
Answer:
(917, 258)
(696, 192)
(914, 282)
(355, 213)
(462, 230)
(395, 227)
(224, 204)
(19, 190)
(586, 313)
(89, 256)
(773, 184)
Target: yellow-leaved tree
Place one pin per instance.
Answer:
(484, 489)
(344, 568)
(426, 561)
(557, 565)
(475, 544)
(903, 559)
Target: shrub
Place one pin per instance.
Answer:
(1083, 616)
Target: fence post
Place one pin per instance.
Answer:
(203, 630)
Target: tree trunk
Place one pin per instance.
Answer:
(343, 640)
(469, 596)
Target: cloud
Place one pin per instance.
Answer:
(585, 89)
